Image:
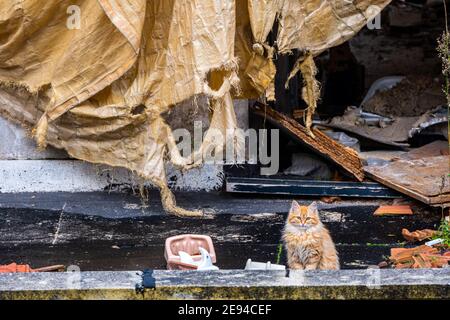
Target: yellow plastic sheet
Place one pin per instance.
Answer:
(94, 76)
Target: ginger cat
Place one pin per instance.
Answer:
(307, 241)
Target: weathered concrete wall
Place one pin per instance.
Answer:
(16, 144)
(230, 284)
(23, 168)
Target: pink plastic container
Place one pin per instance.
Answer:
(188, 243)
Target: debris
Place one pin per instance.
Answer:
(330, 199)
(219, 49)
(346, 158)
(433, 149)
(393, 210)
(310, 166)
(56, 268)
(25, 268)
(424, 179)
(250, 265)
(204, 264)
(380, 85)
(14, 268)
(418, 235)
(392, 132)
(434, 242)
(412, 96)
(380, 157)
(418, 257)
(431, 122)
(188, 245)
(344, 139)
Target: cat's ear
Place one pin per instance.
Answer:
(295, 207)
(313, 208)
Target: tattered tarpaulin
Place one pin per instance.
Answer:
(99, 91)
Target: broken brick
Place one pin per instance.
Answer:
(393, 210)
(418, 235)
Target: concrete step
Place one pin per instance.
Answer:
(79, 176)
(229, 284)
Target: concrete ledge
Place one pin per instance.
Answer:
(231, 284)
(78, 176)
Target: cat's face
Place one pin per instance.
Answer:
(303, 217)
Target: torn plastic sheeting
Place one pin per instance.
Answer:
(432, 118)
(82, 94)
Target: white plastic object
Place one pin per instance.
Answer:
(263, 266)
(205, 263)
(434, 242)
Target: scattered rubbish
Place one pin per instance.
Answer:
(55, 268)
(393, 210)
(395, 131)
(410, 96)
(344, 139)
(383, 131)
(418, 235)
(418, 257)
(186, 52)
(433, 119)
(380, 85)
(15, 268)
(309, 166)
(205, 264)
(25, 268)
(380, 157)
(263, 266)
(423, 179)
(190, 245)
(433, 149)
(346, 158)
(330, 199)
(434, 242)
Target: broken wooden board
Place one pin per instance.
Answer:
(393, 210)
(425, 179)
(308, 188)
(344, 157)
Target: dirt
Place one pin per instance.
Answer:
(413, 96)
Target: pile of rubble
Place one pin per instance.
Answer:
(419, 257)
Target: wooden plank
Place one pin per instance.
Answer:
(308, 188)
(425, 179)
(344, 157)
(393, 210)
(399, 188)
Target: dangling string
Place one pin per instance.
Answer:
(311, 87)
